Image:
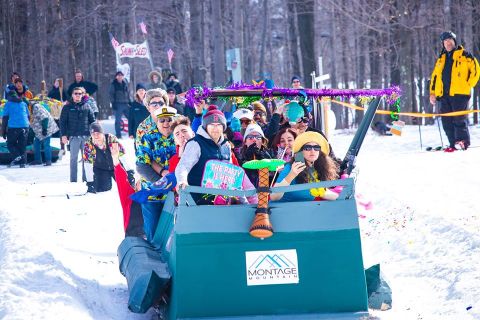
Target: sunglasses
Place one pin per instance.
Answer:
(77, 93)
(157, 104)
(296, 81)
(304, 120)
(249, 137)
(309, 147)
(163, 120)
(260, 113)
(245, 121)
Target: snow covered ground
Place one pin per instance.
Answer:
(58, 255)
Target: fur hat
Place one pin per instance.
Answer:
(152, 93)
(257, 105)
(253, 127)
(311, 136)
(155, 73)
(214, 115)
(243, 113)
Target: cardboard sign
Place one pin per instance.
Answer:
(222, 175)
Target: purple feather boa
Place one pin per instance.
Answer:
(195, 94)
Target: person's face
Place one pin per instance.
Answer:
(244, 122)
(78, 77)
(215, 131)
(182, 134)
(172, 78)
(296, 84)
(311, 152)
(449, 44)
(163, 125)
(97, 137)
(252, 138)
(19, 86)
(259, 116)
(77, 96)
(119, 77)
(14, 77)
(56, 84)
(302, 125)
(286, 140)
(155, 103)
(141, 93)
(171, 97)
(155, 78)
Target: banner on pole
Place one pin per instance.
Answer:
(143, 27)
(113, 41)
(170, 54)
(129, 50)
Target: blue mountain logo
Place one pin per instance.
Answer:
(269, 261)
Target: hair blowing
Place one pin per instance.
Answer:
(326, 168)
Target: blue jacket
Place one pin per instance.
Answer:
(303, 195)
(17, 113)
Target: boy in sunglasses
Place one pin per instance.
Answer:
(311, 164)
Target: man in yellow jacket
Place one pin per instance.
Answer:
(456, 72)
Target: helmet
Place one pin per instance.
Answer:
(448, 35)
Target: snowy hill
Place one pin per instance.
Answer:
(58, 254)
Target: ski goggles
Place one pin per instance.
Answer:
(165, 119)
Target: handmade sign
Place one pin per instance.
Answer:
(130, 50)
(222, 175)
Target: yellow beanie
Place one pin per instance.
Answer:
(311, 136)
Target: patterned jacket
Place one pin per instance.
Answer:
(89, 151)
(42, 119)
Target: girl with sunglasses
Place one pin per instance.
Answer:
(311, 164)
(254, 148)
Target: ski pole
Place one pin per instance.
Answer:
(439, 131)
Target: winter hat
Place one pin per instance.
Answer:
(311, 136)
(140, 86)
(237, 136)
(243, 113)
(258, 106)
(119, 72)
(165, 111)
(295, 78)
(155, 73)
(253, 127)
(448, 35)
(96, 127)
(152, 93)
(214, 115)
(171, 90)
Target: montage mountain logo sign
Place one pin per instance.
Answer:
(271, 267)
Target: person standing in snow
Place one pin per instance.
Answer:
(120, 99)
(156, 81)
(43, 125)
(75, 121)
(455, 73)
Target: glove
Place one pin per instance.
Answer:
(44, 132)
(90, 187)
(251, 152)
(131, 177)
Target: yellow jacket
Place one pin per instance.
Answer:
(465, 73)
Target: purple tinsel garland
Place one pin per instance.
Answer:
(195, 94)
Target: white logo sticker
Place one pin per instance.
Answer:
(271, 267)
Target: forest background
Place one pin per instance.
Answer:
(363, 43)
